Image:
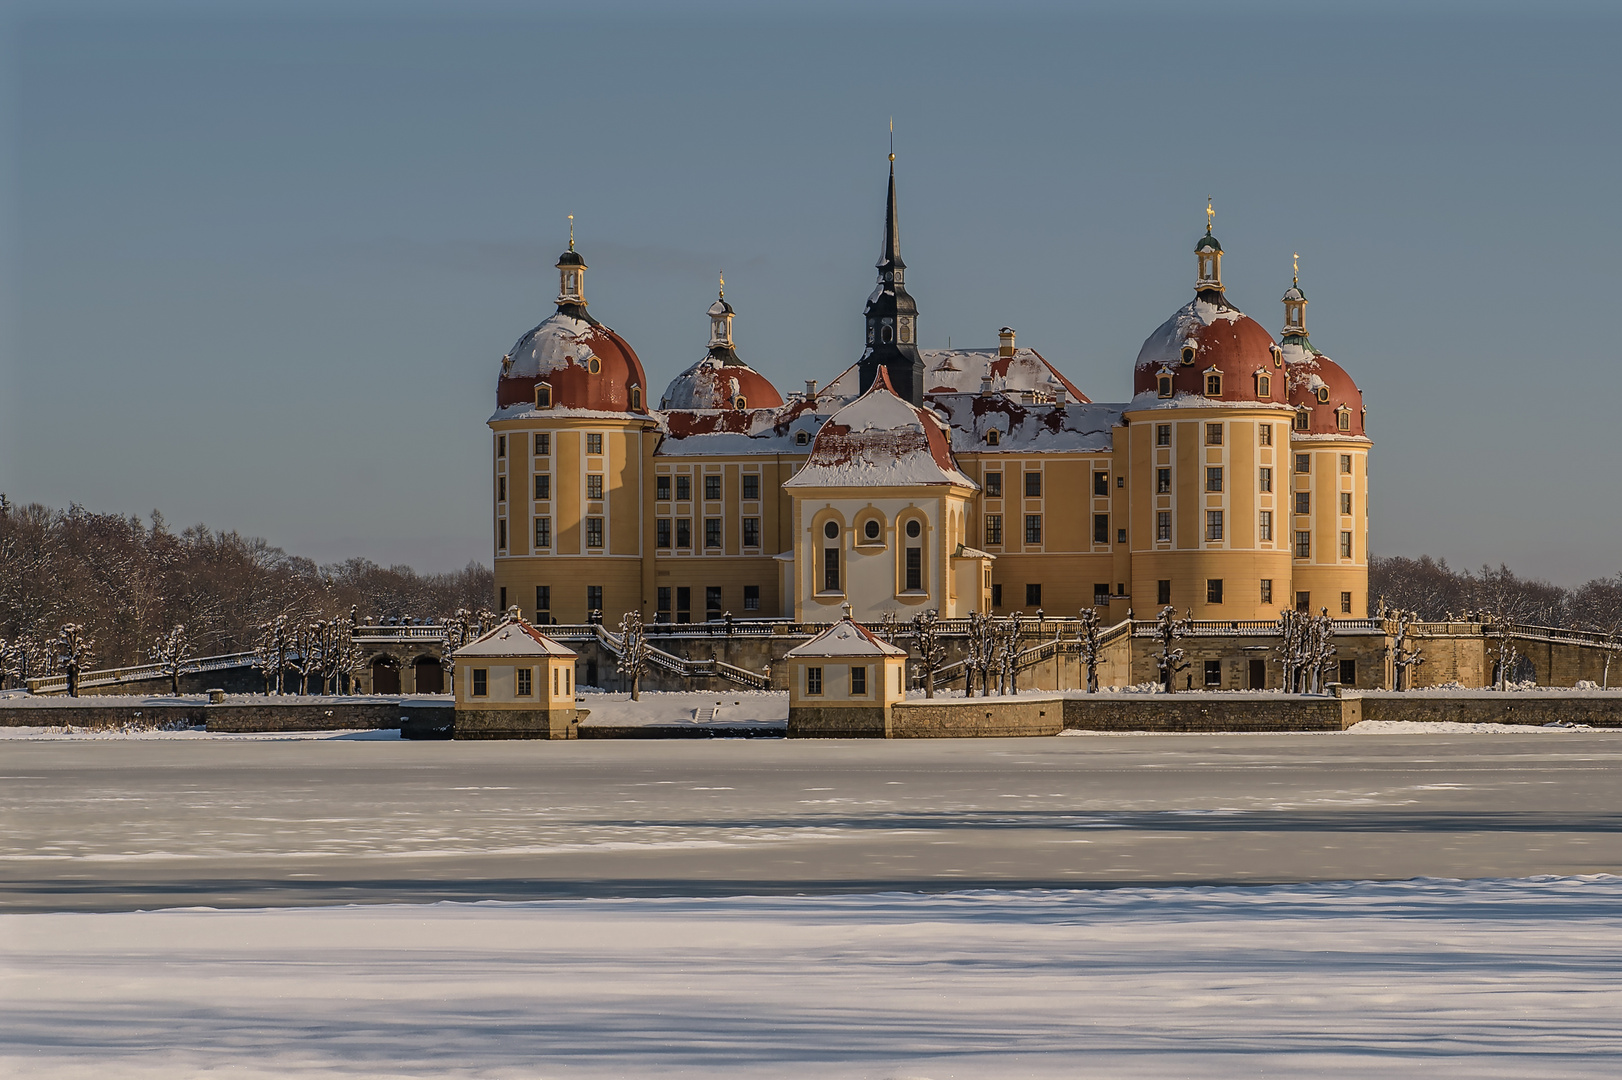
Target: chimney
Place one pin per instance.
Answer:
(1005, 341)
(985, 385)
(810, 389)
(1061, 396)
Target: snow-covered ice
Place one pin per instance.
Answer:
(1497, 978)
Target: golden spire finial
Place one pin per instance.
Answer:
(571, 232)
(1210, 216)
(723, 276)
(892, 138)
(1295, 268)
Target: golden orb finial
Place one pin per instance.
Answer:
(723, 287)
(1295, 268)
(892, 138)
(1210, 216)
(571, 232)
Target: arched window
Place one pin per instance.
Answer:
(1303, 419)
(993, 437)
(1165, 386)
(1213, 384)
(831, 577)
(801, 438)
(543, 395)
(636, 397)
(886, 334)
(1264, 386)
(1343, 418)
(912, 557)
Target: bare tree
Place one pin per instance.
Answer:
(308, 638)
(170, 653)
(1507, 654)
(1006, 658)
(1087, 646)
(271, 651)
(926, 627)
(458, 631)
(340, 656)
(24, 658)
(1403, 658)
(979, 653)
(74, 653)
(633, 660)
(1169, 660)
(1318, 653)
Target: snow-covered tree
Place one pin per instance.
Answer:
(1507, 654)
(271, 651)
(458, 631)
(1403, 658)
(21, 659)
(1169, 660)
(926, 636)
(979, 653)
(1007, 652)
(170, 653)
(340, 656)
(1087, 647)
(1317, 653)
(633, 662)
(308, 638)
(74, 653)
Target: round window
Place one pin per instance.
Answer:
(740, 403)
(831, 530)
(871, 530)
(913, 530)
(1323, 394)
(594, 365)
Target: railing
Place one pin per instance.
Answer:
(58, 684)
(1145, 628)
(680, 665)
(366, 632)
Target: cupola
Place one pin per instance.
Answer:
(1295, 305)
(1208, 252)
(571, 274)
(721, 318)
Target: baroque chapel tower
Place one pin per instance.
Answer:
(892, 317)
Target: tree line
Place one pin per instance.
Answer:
(125, 585)
(1435, 591)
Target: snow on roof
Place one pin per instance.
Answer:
(960, 371)
(752, 431)
(1151, 400)
(1028, 429)
(846, 638)
(879, 440)
(514, 637)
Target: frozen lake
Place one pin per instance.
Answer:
(108, 824)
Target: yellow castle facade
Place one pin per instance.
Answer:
(1233, 483)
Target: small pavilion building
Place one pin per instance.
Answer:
(843, 682)
(514, 682)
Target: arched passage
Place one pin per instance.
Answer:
(430, 676)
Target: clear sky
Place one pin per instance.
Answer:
(262, 261)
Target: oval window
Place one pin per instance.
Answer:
(1188, 354)
(740, 403)
(831, 530)
(871, 530)
(913, 530)
(1323, 394)
(594, 365)
(886, 334)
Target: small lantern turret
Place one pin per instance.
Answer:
(571, 274)
(1295, 305)
(1208, 252)
(721, 318)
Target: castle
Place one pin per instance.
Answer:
(1233, 483)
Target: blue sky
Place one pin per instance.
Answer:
(262, 261)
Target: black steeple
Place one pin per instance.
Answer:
(892, 317)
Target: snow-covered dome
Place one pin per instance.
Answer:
(1206, 333)
(586, 364)
(881, 440)
(715, 383)
(1323, 388)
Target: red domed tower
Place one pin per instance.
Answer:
(572, 440)
(720, 380)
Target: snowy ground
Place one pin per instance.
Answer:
(1442, 979)
(731, 707)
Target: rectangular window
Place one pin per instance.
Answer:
(1303, 543)
(1267, 590)
(858, 681)
(543, 602)
(555, 673)
(751, 597)
(1346, 464)
(1100, 483)
(502, 594)
(1213, 673)
(1265, 525)
(1303, 463)
(1213, 478)
(1266, 434)
(1163, 591)
(501, 534)
(661, 529)
(1345, 603)
(1303, 601)
(1100, 593)
(594, 486)
(993, 528)
(1100, 528)
(1213, 434)
(751, 532)
(684, 488)
(1163, 481)
(994, 485)
(915, 569)
(543, 444)
(1033, 485)
(712, 602)
(481, 682)
(594, 532)
(1343, 421)
(712, 487)
(1213, 590)
(1266, 479)
(1162, 434)
(996, 594)
(1346, 502)
(1033, 528)
(1162, 524)
(813, 680)
(1345, 545)
(751, 486)
(543, 532)
(1348, 672)
(524, 676)
(1213, 524)
(684, 604)
(1303, 420)
(684, 532)
(1033, 595)
(664, 604)
(830, 569)
(1303, 502)
(1120, 536)
(594, 599)
(712, 532)
(501, 489)
(543, 486)
(501, 446)
(543, 395)
(661, 487)
(594, 444)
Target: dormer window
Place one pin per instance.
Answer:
(1303, 419)
(993, 437)
(543, 395)
(636, 397)
(1213, 382)
(740, 403)
(1343, 419)
(1278, 356)
(1188, 354)
(801, 438)
(1264, 386)
(1165, 386)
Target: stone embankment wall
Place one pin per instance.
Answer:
(1602, 709)
(230, 717)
